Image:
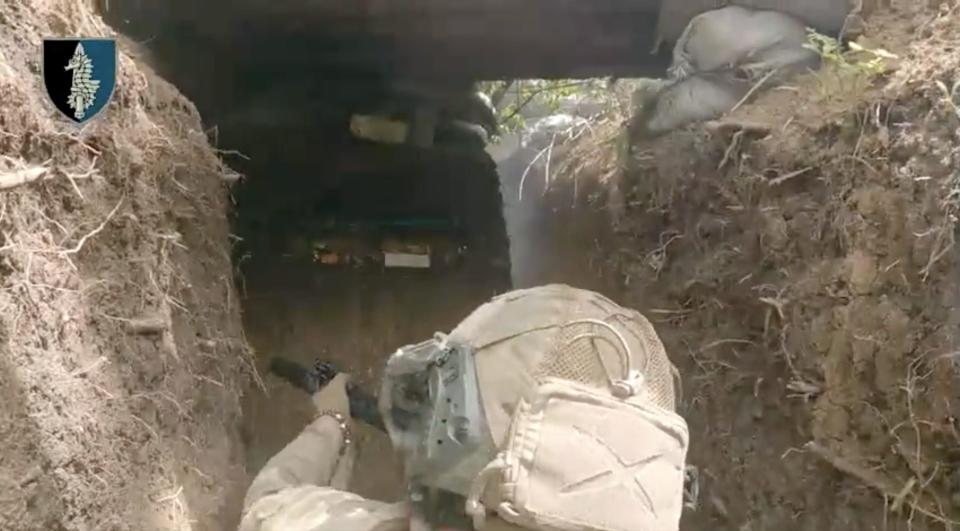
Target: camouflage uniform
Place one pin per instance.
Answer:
(562, 372)
(304, 486)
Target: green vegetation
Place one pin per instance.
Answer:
(846, 70)
(511, 97)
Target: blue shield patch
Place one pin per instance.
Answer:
(80, 75)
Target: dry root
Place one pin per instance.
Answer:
(882, 484)
(18, 173)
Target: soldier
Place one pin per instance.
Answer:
(546, 408)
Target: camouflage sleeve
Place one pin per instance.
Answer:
(313, 458)
(323, 509)
(304, 487)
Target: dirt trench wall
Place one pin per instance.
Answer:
(121, 351)
(806, 283)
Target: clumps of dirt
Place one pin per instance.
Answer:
(122, 356)
(803, 274)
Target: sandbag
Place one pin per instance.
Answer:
(717, 60)
(734, 37)
(667, 105)
(825, 16)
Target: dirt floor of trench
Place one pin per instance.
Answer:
(353, 319)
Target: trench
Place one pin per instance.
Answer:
(313, 195)
(315, 209)
(356, 315)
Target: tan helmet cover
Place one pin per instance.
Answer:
(579, 396)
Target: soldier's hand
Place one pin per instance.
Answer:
(333, 396)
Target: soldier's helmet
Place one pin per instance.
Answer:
(546, 408)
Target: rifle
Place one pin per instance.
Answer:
(363, 406)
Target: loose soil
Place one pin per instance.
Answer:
(121, 349)
(805, 282)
